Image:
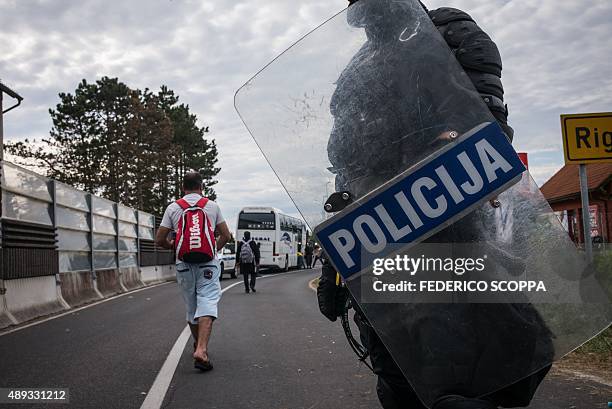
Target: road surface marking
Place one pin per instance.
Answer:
(158, 390)
(157, 393)
(72, 311)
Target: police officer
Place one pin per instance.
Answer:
(359, 169)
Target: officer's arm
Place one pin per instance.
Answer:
(479, 56)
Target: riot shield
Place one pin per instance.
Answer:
(367, 104)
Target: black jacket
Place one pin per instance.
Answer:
(255, 249)
(377, 134)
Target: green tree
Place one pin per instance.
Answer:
(86, 128)
(195, 151)
(88, 135)
(127, 145)
(151, 154)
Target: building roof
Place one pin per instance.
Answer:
(566, 182)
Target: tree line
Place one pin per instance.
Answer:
(127, 145)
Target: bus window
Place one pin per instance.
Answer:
(256, 221)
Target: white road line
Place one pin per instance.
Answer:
(158, 390)
(72, 311)
(157, 393)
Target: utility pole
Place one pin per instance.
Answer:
(586, 213)
(6, 90)
(1, 128)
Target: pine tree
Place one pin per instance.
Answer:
(129, 146)
(196, 153)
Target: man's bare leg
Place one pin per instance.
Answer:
(204, 330)
(194, 333)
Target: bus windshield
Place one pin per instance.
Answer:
(256, 221)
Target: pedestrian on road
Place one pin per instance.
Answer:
(247, 261)
(200, 232)
(317, 255)
(308, 254)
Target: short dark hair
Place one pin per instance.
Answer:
(192, 181)
(247, 235)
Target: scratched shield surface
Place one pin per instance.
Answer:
(371, 93)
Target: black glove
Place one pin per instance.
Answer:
(332, 295)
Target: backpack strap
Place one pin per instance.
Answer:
(183, 204)
(202, 203)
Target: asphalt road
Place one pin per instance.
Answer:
(107, 354)
(271, 350)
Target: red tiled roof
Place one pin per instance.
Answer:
(566, 181)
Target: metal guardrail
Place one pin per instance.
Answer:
(49, 227)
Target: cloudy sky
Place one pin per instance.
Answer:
(557, 59)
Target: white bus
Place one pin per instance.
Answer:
(279, 236)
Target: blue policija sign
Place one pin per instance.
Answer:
(423, 200)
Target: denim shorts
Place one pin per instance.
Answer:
(201, 289)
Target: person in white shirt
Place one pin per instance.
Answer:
(199, 282)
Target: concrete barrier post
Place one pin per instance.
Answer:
(6, 318)
(58, 279)
(138, 246)
(117, 252)
(29, 298)
(90, 218)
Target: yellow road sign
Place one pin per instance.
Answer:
(587, 138)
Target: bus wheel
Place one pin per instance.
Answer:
(286, 264)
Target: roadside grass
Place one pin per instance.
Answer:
(600, 345)
(593, 358)
(599, 348)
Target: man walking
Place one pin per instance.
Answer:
(300, 260)
(200, 232)
(308, 254)
(247, 260)
(318, 255)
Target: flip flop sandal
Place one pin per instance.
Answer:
(202, 365)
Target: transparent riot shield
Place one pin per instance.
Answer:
(367, 97)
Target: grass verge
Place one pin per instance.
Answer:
(593, 358)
